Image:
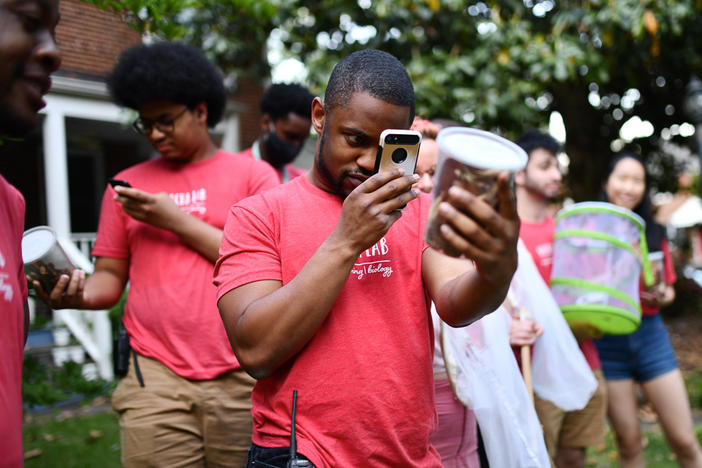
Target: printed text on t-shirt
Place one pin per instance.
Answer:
(194, 201)
(372, 266)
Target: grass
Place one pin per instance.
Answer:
(693, 384)
(80, 442)
(93, 440)
(656, 451)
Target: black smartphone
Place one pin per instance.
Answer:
(398, 148)
(122, 183)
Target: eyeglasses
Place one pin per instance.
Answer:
(146, 126)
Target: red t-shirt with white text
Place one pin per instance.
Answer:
(364, 381)
(538, 239)
(171, 313)
(13, 294)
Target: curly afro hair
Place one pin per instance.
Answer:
(281, 99)
(168, 71)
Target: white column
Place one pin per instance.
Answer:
(230, 130)
(56, 173)
(102, 333)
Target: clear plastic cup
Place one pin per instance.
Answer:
(470, 159)
(44, 259)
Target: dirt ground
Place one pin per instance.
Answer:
(685, 333)
(686, 336)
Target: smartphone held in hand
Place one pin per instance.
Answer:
(398, 149)
(122, 183)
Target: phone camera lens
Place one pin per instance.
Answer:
(399, 155)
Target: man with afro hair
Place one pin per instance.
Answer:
(286, 113)
(185, 400)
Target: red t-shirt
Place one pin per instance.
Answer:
(13, 294)
(171, 313)
(365, 381)
(286, 174)
(668, 275)
(538, 239)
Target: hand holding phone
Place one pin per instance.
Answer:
(398, 148)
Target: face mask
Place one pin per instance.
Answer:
(279, 151)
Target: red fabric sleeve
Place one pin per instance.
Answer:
(246, 254)
(668, 267)
(263, 179)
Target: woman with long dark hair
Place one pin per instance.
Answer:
(645, 357)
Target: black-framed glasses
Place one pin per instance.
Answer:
(146, 126)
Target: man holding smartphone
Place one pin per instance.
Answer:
(323, 285)
(28, 56)
(185, 399)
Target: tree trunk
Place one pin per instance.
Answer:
(587, 141)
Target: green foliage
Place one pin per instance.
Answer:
(115, 312)
(504, 65)
(42, 386)
(232, 32)
(501, 65)
(693, 384)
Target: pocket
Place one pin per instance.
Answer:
(124, 392)
(117, 395)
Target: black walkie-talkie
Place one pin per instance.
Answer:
(295, 462)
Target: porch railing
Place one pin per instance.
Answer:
(85, 242)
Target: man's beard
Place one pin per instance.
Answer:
(534, 190)
(537, 191)
(337, 185)
(13, 126)
(13, 122)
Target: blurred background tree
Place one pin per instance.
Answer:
(233, 33)
(503, 65)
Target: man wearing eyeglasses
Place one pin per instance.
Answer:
(185, 400)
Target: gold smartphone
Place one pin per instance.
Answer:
(398, 148)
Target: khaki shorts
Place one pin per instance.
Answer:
(176, 422)
(574, 429)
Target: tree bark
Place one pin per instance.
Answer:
(587, 141)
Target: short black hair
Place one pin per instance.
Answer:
(534, 139)
(372, 71)
(168, 71)
(281, 99)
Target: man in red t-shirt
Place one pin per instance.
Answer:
(28, 56)
(185, 399)
(285, 126)
(567, 434)
(324, 285)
